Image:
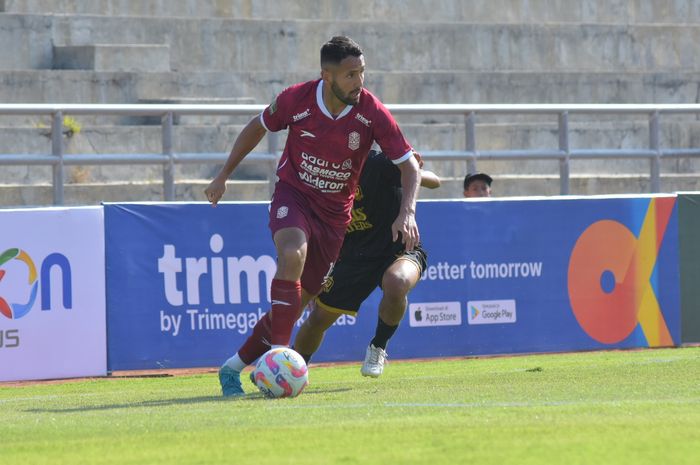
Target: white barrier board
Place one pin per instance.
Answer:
(52, 293)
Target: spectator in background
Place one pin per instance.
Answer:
(477, 185)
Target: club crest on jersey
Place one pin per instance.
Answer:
(282, 212)
(354, 140)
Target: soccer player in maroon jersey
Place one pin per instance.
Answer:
(332, 123)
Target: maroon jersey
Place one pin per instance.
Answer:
(324, 156)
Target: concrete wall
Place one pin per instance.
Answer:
(293, 46)
(502, 11)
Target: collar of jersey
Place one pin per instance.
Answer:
(322, 106)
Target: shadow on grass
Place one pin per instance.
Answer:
(254, 396)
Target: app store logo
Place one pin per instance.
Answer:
(485, 312)
(428, 314)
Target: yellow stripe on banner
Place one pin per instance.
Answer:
(30, 264)
(652, 320)
(649, 312)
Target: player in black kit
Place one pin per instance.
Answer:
(370, 257)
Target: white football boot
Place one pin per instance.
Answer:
(375, 358)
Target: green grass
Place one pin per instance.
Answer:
(626, 407)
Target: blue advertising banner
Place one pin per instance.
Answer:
(556, 274)
(186, 282)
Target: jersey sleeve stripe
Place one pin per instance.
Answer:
(262, 121)
(405, 157)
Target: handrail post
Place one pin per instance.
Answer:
(57, 151)
(470, 140)
(564, 168)
(655, 162)
(272, 141)
(169, 166)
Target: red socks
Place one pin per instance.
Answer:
(275, 327)
(286, 303)
(257, 343)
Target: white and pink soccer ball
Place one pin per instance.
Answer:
(280, 372)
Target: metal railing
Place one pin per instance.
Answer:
(168, 158)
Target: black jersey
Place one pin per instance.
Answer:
(376, 205)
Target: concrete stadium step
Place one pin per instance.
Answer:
(144, 58)
(525, 11)
(14, 195)
(75, 86)
(236, 44)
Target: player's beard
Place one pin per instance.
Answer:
(345, 98)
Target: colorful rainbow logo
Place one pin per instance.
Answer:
(18, 310)
(609, 278)
(475, 311)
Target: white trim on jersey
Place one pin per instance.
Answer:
(262, 120)
(322, 105)
(406, 156)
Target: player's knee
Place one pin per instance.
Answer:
(291, 256)
(396, 285)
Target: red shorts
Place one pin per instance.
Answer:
(290, 209)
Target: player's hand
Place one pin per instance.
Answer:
(215, 190)
(405, 224)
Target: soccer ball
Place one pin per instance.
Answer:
(280, 372)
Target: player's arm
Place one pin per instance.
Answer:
(405, 222)
(429, 179)
(246, 141)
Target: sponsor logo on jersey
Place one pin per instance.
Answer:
(306, 134)
(302, 115)
(358, 221)
(363, 120)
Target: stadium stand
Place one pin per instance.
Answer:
(245, 51)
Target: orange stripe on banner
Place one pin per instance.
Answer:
(664, 208)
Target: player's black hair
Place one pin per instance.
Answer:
(337, 49)
(474, 176)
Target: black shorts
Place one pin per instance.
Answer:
(353, 280)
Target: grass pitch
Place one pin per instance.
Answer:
(621, 407)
